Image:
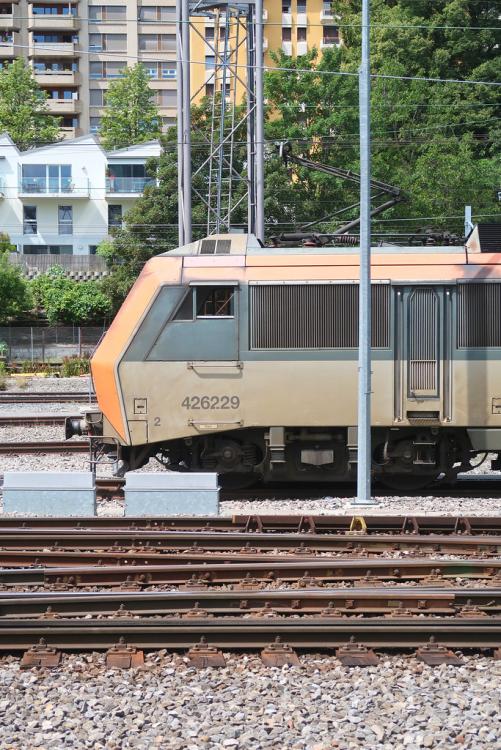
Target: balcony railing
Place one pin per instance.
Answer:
(128, 184)
(41, 186)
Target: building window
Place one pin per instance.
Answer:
(114, 216)
(209, 33)
(108, 42)
(301, 33)
(166, 98)
(55, 38)
(157, 42)
(331, 35)
(209, 89)
(301, 6)
(155, 13)
(286, 6)
(168, 122)
(92, 249)
(48, 249)
(286, 34)
(30, 220)
(65, 219)
(164, 70)
(210, 62)
(110, 69)
(96, 98)
(95, 124)
(107, 13)
(46, 178)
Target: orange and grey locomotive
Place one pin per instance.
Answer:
(240, 359)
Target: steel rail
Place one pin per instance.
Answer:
(318, 634)
(34, 419)
(53, 446)
(10, 397)
(204, 604)
(302, 524)
(246, 542)
(250, 575)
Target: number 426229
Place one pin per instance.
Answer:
(211, 402)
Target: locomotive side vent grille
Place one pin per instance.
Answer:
(479, 315)
(423, 341)
(315, 316)
(215, 247)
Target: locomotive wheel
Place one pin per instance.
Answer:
(407, 482)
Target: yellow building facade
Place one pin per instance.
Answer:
(294, 26)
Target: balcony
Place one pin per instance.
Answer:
(265, 43)
(286, 19)
(57, 78)
(9, 22)
(127, 185)
(53, 49)
(53, 23)
(37, 187)
(265, 15)
(302, 48)
(302, 19)
(63, 106)
(287, 48)
(7, 49)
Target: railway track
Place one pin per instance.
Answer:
(245, 581)
(33, 397)
(34, 420)
(52, 446)
(248, 576)
(149, 545)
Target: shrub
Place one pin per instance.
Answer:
(75, 366)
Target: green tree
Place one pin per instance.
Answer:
(23, 108)
(65, 300)
(14, 291)
(130, 116)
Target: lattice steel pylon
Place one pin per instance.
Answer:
(222, 180)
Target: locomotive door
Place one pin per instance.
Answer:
(423, 353)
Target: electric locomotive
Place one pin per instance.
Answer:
(231, 357)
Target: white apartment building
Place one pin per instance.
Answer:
(63, 199)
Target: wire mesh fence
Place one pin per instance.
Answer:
(48, 344)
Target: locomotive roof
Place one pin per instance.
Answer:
(247, 244)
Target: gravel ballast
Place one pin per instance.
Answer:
(399, 705)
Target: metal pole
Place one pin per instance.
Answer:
(180, 125)
(259, 122)
(364, 321)
(185, 38)
(468, 226)
(251, 120)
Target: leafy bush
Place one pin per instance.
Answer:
(75, 366)
(3, 384)
(67, 301)
(14, 290)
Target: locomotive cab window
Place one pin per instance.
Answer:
(215, 301)
(207, 302)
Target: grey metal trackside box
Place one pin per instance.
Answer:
(49, 493)
(171, 493)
